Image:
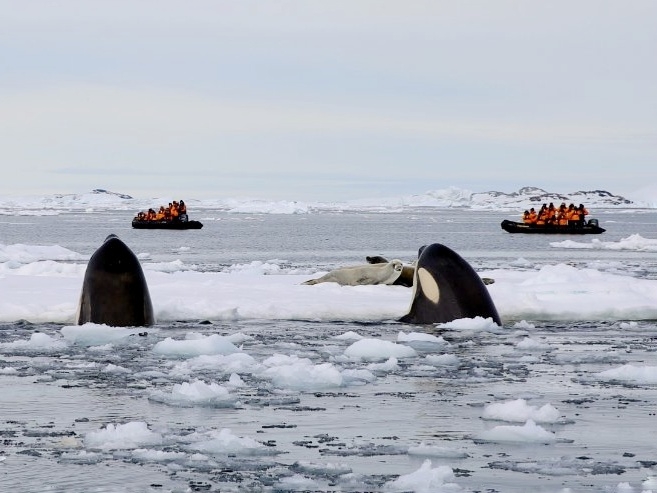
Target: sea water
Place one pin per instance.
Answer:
(355, 438)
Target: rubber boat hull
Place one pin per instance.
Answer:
(175, 224)
(590, 228)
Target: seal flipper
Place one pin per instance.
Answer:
(446, 288)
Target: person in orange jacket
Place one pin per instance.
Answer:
(551, 214)
(562, 215)
(581, 210)
(573, 215)
(533, 217)
(160, 214)
(542, 216)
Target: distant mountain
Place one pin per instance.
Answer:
(119, 195)
(525, 198)
(533, 196)
(449, 198)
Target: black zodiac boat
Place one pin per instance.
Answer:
(589, 228)
(181, 222)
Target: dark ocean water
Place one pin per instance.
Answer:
(354, 438)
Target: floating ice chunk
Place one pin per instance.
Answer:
(68, 442)
(378, 350)
(238, 338)
(530, 344)
(294, 373)
(149, 455)
(476, 323)
(390, 365)
(81, 457)
(213, 344)
(425, 480)
(633, 242)
(421, 341)
(229, 363)
(122, 436)
(420, 336)
(349, 336)
(530, 432)
(628, 325)
(38, 342)
(317, 469)
(298, 482)
(197, 393)
(442, 360)
(650, 482)
(357, 376)
(630, 373)
(235, 380)
(521, 262)
(225, 442)
(101, 348)
(91, 334)
(519, 411)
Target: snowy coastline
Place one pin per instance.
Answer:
(450, 198)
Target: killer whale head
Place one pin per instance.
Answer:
(446, 288)
(114, 289)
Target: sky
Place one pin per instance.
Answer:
(319, 100)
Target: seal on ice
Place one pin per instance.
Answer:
(363, 274)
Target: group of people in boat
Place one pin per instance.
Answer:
(171, 213)
(549, 215)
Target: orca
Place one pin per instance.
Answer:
(446, 288)
(114, 290)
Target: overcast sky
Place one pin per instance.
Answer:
(327, 100)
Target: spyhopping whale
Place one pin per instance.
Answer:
(446, 288)
(114, 290)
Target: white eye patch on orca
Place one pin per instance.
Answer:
(429, 285)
